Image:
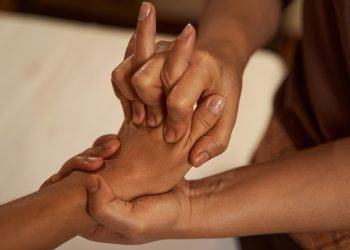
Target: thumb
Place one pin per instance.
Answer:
(206, 115)
(106, 209)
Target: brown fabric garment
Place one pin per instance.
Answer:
(314, 103)
(276, 143)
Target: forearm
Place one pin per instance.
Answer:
(238, 26)
(306, 192)
(46, 218)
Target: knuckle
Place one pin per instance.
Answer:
(141, 81)
(203, 56)
(178, 104)
(205, 123)
(117, 76)
(219, 145)
(166, 79)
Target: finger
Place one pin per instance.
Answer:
(121, 76)
(148, 84)
(126, 105)
(104, 208)
(145, 47)
(130, 49)
(181, 99)
(206, 115)
(104, 139)
(104, 150)
(179, 57)
(79, 162)
(155, 115)
(146, 81)
(122, 87)
(145, 42)
(216, 140)
(163, 46)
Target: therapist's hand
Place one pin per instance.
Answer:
(136, 81)
(179, 79)
(142, 220)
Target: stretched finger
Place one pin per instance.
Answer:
(216, 140)
(145, 42)
(179, 57)
(145, 48)
(181, 100)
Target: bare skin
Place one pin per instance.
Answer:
(229, 32)
(43, 220)
(135, 170)
(306, 192)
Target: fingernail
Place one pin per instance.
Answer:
(170, 135)
(144, 10)
(139, 113)
(186, 32)
(216, 105)
(201, 158)
(151, 120)
(91, 158)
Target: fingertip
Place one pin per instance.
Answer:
(145, 10)
(186, 32)
(138, 111)
(199, 159)
(170, 135)
(216, 104)
(92, 184)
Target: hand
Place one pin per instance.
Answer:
(146, 164)
(143, 101)
(142, 220)
(89, 160)
(187, 76)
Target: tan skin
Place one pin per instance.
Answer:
(308, 191)
(247, 196)
(229, 32)
(136, 169)
(132, 171)
(285, 195)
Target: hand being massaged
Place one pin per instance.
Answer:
(146, 164)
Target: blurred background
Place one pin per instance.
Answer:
(172, 16)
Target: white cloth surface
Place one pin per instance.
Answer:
(56, 98)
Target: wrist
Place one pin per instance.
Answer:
(233, 49)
